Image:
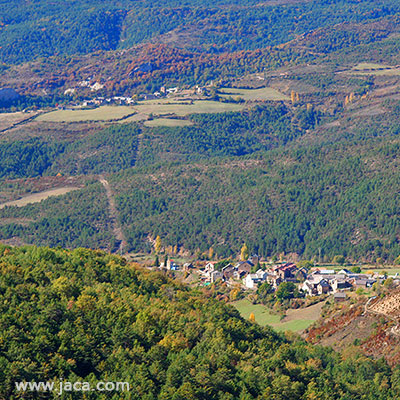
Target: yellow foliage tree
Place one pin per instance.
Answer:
(157, 244)
(233, 294)
(293, 96)
(210, 253)
(252, 317)
(244, 253)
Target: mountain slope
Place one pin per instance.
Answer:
(37, 29)
(89, 316)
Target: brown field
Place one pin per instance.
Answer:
(38, 197)
(9, 120)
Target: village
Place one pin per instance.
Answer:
(164, 92)
(253, 272)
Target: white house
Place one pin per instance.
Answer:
(252, 280)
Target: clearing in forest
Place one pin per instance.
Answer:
(295, 320)
(38, 197)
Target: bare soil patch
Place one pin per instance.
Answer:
(38, 197)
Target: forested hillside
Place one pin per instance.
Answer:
(310, 167)
(40, 29)
(87, 315)
(255, 176)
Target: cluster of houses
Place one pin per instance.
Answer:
(231, 273)
(328, 281)
(127, 100)
(313, 283)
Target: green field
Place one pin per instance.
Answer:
(296, 321)
(104, 113)
(253, 94)
(183, 109)
(169, 122)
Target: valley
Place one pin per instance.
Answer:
(201, 198)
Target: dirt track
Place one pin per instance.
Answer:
(119, 235)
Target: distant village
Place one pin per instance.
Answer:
(313, 282)
(163, 92)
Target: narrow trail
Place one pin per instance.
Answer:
(119, 235)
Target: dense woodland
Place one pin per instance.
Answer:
(108, 150)
(72, 27)
(88, 316)
(274, 176)
(230, 178)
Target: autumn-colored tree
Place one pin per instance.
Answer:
(293, 96)
(252, 317)
(244, 253)
(210, 253)
(234, 294)
(157, 245)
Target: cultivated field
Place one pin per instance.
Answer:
(140, 112)
(104, 113)
(253, 94)
(374, 69)
(9, 120)
(183, 109)
(38, 197)
(168, 122)
(370, 66)
(295, 320)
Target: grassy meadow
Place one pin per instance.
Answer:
(295, 320)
